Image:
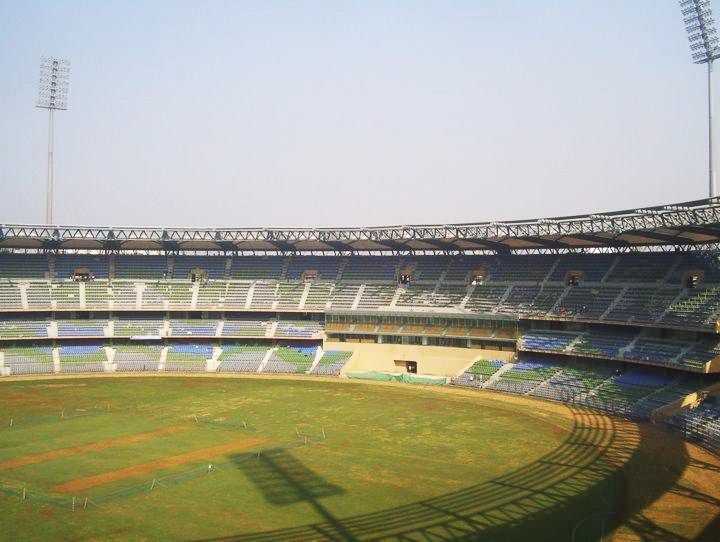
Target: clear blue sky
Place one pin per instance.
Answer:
(309, 113)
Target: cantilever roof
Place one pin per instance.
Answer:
(689, 223)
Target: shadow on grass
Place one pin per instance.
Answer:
(284, 480)
(580, 491)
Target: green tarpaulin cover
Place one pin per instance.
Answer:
(402, 377)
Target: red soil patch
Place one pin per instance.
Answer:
(81, 484)
(92, 447)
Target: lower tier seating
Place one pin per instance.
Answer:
(241, 359)
(294, 359)
(137, 358)
(331, 363)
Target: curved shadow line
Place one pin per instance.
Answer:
(598, 449)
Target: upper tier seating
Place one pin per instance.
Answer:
(593, 266)
(325, 268)
(10, 296)
(289, 295)
(426, 269)
(376, 296)
(257, 267)
(519, 300)
(587, 302)
(485, 297)
(644, 288)
(343, 296)
(65, 295)
(370, 268)
(213, 266)
(698, 261)
(533, 268)
(318, 296)
(25, 266)
(645, 304)
(640, 268)
(65, 265)
(695, 308)
(141, 267)
(176, 294)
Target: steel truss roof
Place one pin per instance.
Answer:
(682, 224)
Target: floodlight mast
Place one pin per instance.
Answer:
(52, 95)
(704, 48)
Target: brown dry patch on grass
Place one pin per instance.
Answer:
(693, 500)
(92, 447)
(81, 484)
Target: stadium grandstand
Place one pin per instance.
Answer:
(617, 311)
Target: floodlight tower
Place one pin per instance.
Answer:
(705, 48)
(52, 95)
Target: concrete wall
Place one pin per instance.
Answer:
(431, 360)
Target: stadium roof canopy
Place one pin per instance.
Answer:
(676, 225)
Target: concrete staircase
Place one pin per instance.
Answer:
(163, 359)
(358, 296)
(56, 360)
(265, 359)
(211, 364)
(304, 296)
(195, 294)
(468, 294)
(139, 289)
(398, 292)
(614, 303)
(271, 329)
(248, 299)
(109, 366)
(23, 295)
(316, 360)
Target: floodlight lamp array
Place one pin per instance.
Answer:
(53, 86)
(700, 26)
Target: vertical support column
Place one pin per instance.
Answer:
(49, 202)
(711, 134)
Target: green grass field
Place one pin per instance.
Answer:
(397, 461)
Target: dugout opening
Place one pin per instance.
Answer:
(407, 366)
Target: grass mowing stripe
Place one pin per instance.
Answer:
(88, 482)
(92, 447)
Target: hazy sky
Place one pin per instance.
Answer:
(303, 113)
